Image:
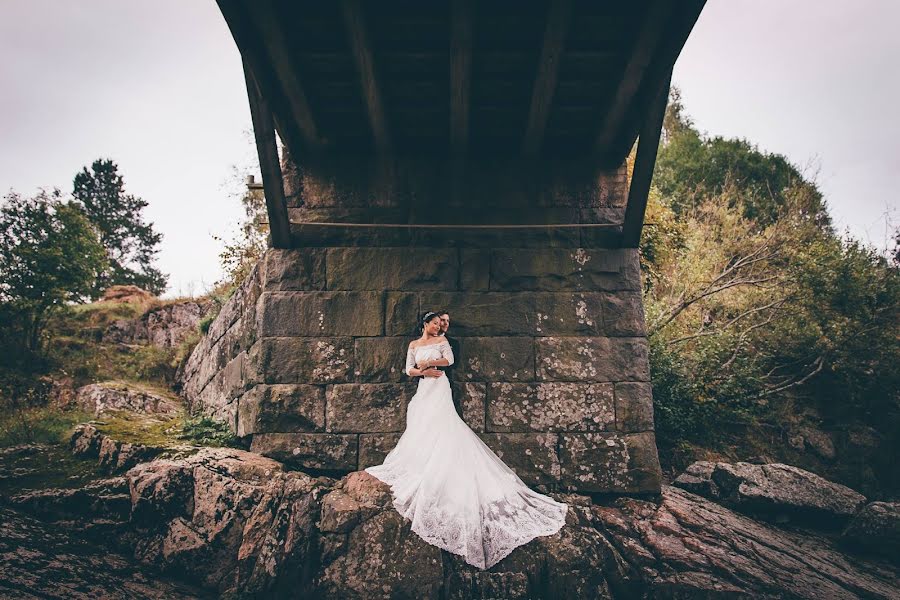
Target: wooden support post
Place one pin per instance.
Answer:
(273, 184)
(644, 162)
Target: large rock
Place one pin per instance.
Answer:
(169, 325)
(42, 560)
(231, 520)
(164, 326)
(100, 398)
(126, 293)
(775, 490)
(876, 529)
(113, 456)
(240, 525)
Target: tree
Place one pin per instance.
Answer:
(131, 245)
(691, 166)
(240, 254)
(49, 255)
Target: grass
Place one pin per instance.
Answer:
(204, 431)
(38, 425)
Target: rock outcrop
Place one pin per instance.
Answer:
(774, 491)
(876, 529)
(45, 561)
(113, 456)
(164, 326)
(108, 396)
(127, 293)
(243, 526)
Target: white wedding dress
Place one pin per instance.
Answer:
(458, 494)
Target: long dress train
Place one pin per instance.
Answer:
(459, 495)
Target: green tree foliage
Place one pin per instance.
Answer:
(131, 244)
(692, 167)
(49, 256)
(757, 310)
(240, 254)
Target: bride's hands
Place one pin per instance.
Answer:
(423, 364)
(432, 372)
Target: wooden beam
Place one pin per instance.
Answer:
(678, 27)
(558, 19)
(641, 54)
(460, 73)
(362, 56)
(247, 39)
(273, 37)
(269, 165)
(644, 162)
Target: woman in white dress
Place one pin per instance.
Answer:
(458, 494)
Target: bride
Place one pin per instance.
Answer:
(458, 494)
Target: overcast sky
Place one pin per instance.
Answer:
(157, 86)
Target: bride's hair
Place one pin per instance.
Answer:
(426, 316)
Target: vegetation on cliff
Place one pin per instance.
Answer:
(764, 322)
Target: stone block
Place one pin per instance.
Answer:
(328, 451)
(494, 358)
(298, 269)
(381, 359)
(634, 407)
(520, 407)
(532, 456)
(367, 407)
(281, 408)
(471, 400)
(302, 360)
(392, 268)
(474, 269)
(556, 269)
(233, 376)
(562, 313)
(401, 313)
(610, 462)
(592, 359)
(320, 314)
(623, 314)
(373, 447)
(484, 313)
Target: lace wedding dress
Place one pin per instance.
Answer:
(458, 494)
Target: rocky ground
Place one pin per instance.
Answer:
(224, 522)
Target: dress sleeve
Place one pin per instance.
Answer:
(410, 359)
(447, 352)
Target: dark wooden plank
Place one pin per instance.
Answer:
(269, 165)
(247, 39)
(678, 28)
(558, 19)
(649, 36)
(642, 175)
(273, 37)
(365, 65)
(460, 74)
